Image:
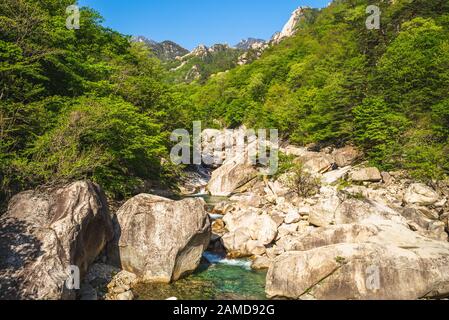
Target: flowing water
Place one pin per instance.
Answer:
(222, 280)
(217, 278)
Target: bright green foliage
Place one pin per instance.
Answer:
(106, 140)
(336, 81)
(440, 117)
(200, 68)
(426, 158)
(379, 130)
(81, 103)
(413, 73)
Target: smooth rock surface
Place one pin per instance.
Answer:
(420, 194)
(315, 162)
(346, 156)
(360, 271)
(229, 177)
(160, 240)
(44, 232)
(365, 174)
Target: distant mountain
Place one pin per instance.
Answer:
(202, 51)
(250, 43)
(166, 50)
(204, 61)
(253, 48)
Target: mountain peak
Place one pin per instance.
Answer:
(290, 27)
(165, 50)
(250, 43)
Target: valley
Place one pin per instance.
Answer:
(95, 206)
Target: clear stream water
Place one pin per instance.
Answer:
(220, 279)
(223, 280)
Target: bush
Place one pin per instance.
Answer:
(302, 182)
(286, 164)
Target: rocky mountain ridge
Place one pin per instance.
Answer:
(165, 50)
(250, 43)
(203, 61)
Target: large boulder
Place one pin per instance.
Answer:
(46, 231)
(425, 223)
(236, 241)
(365, 175)
(346, 156)
(316, 162)
(359, 211)
(321, 237)
(248, 199)
(239, 243)
(323, 213)
(337, 262)
(377, 231)
(361, 271)
(240, 219)
(364, 210)
(420, 194)
(230, 176)
(158, 239)
(261, 263)
(248, 232)
(264, 229)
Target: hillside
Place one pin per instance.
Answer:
(108, 190)
(81, 104)
(203, 62)
(330, 82)
(335, 82)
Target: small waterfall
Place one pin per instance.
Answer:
(203, 174)
(215, 258)
(199, 178)
(215, 216)
(202, 192)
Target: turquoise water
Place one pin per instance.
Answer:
(224, 280)
(221, 279)
(211, 201)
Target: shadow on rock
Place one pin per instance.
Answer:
(17, 249)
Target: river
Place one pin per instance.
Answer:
(217, 278)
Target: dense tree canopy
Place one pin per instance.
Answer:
(83, 103)
(336, 81)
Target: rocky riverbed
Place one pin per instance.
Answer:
(355, 233)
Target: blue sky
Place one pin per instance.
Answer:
(193, 22)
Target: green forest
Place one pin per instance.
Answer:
(91, 104)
